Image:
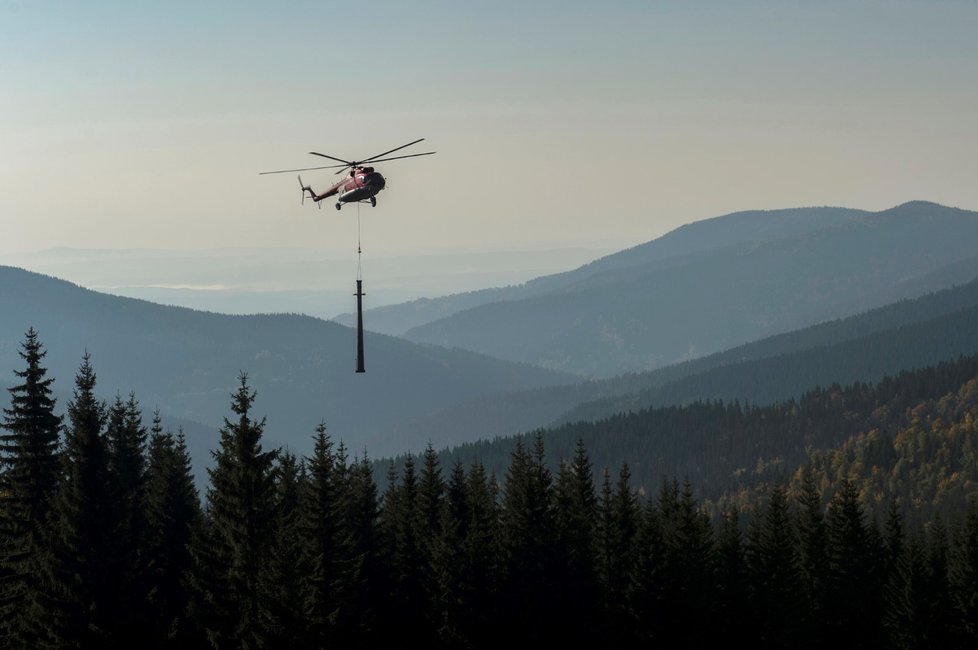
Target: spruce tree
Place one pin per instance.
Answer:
(363, 583)
(963, 577)
(776, 576)
(480, 564)
(576, 508)
(812, 543)
(694, 550)
(321, 535)
(649, 584)
(905, 611)
(431, 494)
(28, 480)
(940, 621)
(83, 524)
(451, 579)
(401, 522)
(172, 520)
(126, 445)
(467, 563)
(732, 588)
(284, 570)
(852, 587)
(895, 594)
(528, 537)
(241, 510)
(617, 526)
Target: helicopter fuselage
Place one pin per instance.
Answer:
(361, 184)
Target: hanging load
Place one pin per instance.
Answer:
(361, 185)
(359, 294)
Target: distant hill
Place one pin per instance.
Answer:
(646, 308)
(908, 334)
(697, 237)
(185, 362)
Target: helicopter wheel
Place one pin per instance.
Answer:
(338, 205)
(373, 201)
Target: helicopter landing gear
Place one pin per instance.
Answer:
(338, 205)
(373, 201)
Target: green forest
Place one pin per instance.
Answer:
(846, 517)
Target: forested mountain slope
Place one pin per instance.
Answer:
(908, 334)
(725, 447)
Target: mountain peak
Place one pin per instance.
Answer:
(917, 207)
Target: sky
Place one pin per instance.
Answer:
(145, 124)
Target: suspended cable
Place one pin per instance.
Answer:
(359, 294)
(359, 249)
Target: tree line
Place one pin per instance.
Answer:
(106, 543)
(727, 447)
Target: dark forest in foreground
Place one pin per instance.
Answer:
(105, 543)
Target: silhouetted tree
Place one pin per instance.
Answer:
(125, 438)
(400, 519)
(364, 582)
(813, 563)
(172, 517)
(940, 620)
(617, 527)
(732, 611)
(576, 516)
(963, 577)
(688, 547)
(478, 567)
(528, 536)
(852, 587)
(241, 509)
(29, 477)
(777, 577)
(431, 494)
(321, 532)
(84, 522)
(283, 593)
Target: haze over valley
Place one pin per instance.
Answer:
(312, 281)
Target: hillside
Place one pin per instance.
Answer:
(911, 333)
(780, 377)
(724, 448)
(666, 309)
(185, 362)
(927, 465)
(698, 237)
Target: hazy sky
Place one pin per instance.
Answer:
(144, 124)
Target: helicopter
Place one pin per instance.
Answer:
(362, 183)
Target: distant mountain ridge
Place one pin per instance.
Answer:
(669, 308)
(692, 238)
(936, 327)
(185, 362)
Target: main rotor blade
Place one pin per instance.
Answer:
(372, 158)
(413, 155)
(332, 158)
(304, 169)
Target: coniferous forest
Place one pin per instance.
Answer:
(106, 542)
